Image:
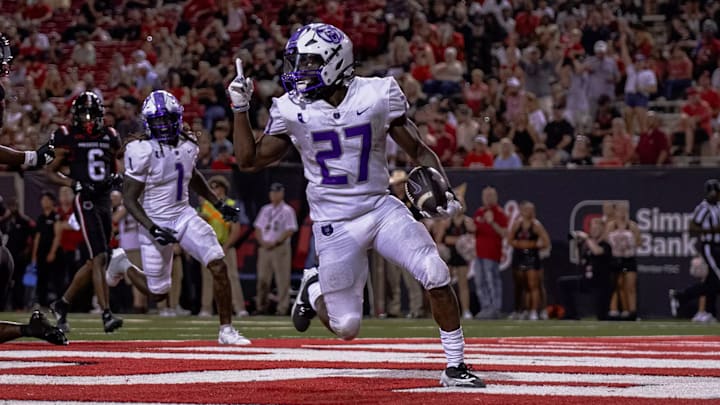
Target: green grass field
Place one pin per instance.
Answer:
(150, 327)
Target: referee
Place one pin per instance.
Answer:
(705, 225)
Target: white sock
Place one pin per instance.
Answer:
(313, 294)
(225, 327)
(454, 345)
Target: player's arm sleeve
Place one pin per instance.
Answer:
(701, 211)
(292, 223)
(503, 220)
(276, 123)
(397, 102)
(137, 160)
(115, 143)
(260, 220)
(61, 138)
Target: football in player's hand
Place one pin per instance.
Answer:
(426, 189)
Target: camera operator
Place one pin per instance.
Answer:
(595, 264)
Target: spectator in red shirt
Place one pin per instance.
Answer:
(35, 11)
(195, 10)
(708, 49)
(420, 68)
(608, 158)
(333, 15)
(438, 140)
(708, 93)
(679, 74)
(224, 159)
(491, 228)
(525, 22)
(695, 125)
(653, 147)
(480, 157)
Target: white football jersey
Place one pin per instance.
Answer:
(343, 148)
(166, 171)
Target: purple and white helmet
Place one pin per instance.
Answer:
(317, 56)
(162, 116)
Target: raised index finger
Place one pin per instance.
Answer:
(238, 66)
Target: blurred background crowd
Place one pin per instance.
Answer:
(491, 83)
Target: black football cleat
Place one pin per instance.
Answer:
(111, 323)
(302, 312)
(39, 327)
(460, 376)
(59, 308)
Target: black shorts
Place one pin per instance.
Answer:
(624, 265)
(95, 219)
(455, 259)
(700, 136)
(527, 260)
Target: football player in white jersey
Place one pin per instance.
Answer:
(158, 171)
(339, 123)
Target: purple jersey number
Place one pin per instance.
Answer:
(181, 174)
(335, 152)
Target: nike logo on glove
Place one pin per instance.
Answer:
(362, 111)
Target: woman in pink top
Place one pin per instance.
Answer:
(474, 93)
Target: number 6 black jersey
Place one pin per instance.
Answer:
(91, 157)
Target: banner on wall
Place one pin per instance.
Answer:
(661, 201)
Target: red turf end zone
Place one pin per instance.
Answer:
(556, 371)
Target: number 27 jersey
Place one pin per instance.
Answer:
(166, 171)
(343, 147)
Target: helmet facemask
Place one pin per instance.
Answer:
(162, 114)
(87, 113)
(165, 127)
(303, 74)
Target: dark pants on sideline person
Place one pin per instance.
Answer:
(710, 287)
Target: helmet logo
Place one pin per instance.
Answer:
(328, 33)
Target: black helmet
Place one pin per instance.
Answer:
(712, 188)
(87, 112)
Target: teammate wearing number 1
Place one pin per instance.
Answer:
(159, 168)
(90, 149)
(339, 123)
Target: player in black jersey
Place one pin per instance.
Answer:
(89, 150)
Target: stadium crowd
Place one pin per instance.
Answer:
(491, 83)
(503, 84)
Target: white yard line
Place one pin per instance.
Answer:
(360, 356)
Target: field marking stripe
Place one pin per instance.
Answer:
(651, 387)
(475, 348)
(357, 356)
(687, 391)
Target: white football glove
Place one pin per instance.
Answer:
(240, 89)
(452, 207)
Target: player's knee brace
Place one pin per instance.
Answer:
(430, 269)
(347, 326)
